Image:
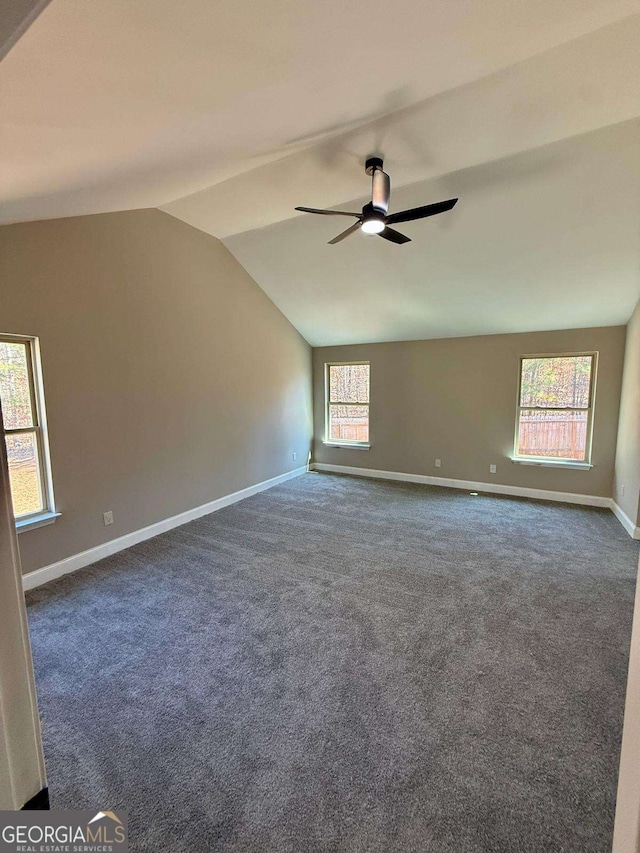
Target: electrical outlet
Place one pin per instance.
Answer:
(438, 463)
(493, 469)
(622, 491)
(294, 456)
(108, 518)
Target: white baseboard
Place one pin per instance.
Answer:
(469, 485)
(85, 558)
(495, 488)
(625, 521)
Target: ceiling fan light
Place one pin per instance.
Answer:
(373, 226)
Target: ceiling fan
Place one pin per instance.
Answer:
(375, 218)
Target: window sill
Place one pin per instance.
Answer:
(345, 444)
(550, 463)
(36, 521)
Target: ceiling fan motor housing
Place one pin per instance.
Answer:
(369, 211)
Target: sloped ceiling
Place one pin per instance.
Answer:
(545, 239)
(228, 114)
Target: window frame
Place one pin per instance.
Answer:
(47, 513)
(558, 461)
(328, 402)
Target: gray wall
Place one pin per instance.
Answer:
(454, 399)
(170, 377)
(627, 471)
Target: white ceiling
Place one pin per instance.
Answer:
(228, 114)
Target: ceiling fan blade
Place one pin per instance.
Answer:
(350, 230)
(394, 236)
(380, 190)
(422, 212)
(327, 212)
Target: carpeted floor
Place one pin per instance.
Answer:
(341, 664)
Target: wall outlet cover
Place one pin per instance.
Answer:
(108, 518)
(493, 469)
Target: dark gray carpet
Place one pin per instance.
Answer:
(342, 664)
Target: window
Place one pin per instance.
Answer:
(25, 431)
(347, 404)
(555, 407)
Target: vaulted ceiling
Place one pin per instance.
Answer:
(227, 115)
